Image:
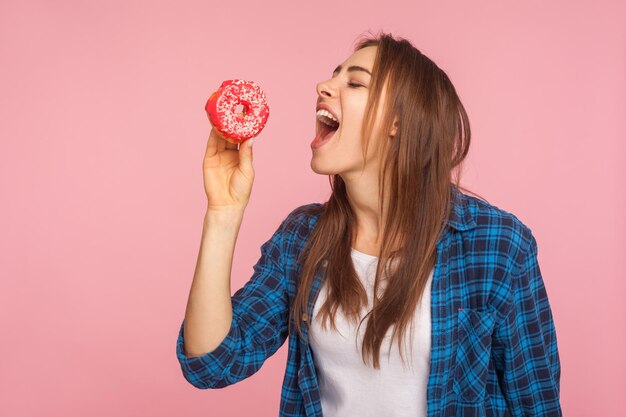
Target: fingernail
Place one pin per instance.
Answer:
(251, 141)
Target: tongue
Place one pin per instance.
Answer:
(324, 133)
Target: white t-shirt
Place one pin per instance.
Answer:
(349, 387)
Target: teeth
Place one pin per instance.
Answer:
(327, 118)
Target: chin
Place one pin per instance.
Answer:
(323, 169)
(319, 168)
(315, 167)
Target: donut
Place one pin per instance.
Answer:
(222, 105)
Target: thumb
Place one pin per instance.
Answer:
(245, 155)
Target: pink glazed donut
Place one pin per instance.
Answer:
(222, 105)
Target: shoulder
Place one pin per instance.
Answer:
(304, 216)
(498, 228)
(297, 227)
(300, 221)
(495, 250)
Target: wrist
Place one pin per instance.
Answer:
(227, 216)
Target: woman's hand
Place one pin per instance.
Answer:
(228, 173)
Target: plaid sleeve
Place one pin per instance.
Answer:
(259, 325)
(525, 345)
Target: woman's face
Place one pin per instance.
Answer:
(345, 96)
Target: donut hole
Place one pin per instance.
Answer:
(240, 109)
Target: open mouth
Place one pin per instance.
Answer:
(326, 130)
(327, 123)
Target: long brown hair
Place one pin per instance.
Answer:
(433, 137)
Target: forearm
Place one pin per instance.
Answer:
(208, 315)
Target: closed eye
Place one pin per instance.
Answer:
(354, 85)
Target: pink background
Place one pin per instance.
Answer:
(102, 137)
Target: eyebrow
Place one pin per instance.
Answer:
(353, 68)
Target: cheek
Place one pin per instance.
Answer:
(354, 118)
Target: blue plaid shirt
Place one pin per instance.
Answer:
(494, 347)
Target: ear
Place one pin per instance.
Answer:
(394, 129)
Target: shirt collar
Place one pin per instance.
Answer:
(461, 217)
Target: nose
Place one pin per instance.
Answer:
(325, 88)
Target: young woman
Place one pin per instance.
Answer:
(401, 295)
